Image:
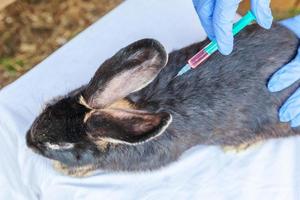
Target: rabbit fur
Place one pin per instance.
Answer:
(135, 115)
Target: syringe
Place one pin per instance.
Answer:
(212, 47)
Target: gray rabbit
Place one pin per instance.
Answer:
(135, 115)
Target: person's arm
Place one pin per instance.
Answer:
(286, 76)
(217, 16)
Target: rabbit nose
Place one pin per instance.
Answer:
(32, 144)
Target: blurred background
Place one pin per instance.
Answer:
(30, 30)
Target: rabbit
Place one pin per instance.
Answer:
(135, 114)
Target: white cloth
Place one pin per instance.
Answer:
(268, 171)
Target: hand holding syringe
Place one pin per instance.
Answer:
(212, 47)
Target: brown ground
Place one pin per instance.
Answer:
(30, 30)
(280, 8)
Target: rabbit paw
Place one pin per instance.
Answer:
(240, 148)
(73, 171)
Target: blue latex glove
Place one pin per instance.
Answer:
(287, 75)
(217, 16)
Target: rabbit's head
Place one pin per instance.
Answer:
(79, 128)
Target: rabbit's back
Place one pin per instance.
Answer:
(225, 100)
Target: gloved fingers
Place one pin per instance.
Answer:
(223, 17)
(205, 9)
(291, 108)
(293, 24)
(285, 76)
(296, 121)
(262, 11)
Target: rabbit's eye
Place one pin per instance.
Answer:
(60, 146)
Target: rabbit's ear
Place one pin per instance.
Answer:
(126, 126)
(129, 70)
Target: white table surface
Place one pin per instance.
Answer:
(269, 171)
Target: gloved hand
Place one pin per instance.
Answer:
(287, 75)
(217, 16)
